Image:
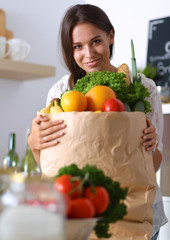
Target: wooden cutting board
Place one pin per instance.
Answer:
(2, 23)
(3, 31)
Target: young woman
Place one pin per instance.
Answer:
(87, 38)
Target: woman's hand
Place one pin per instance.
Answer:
(150, 143)
(44, 134)
(149, 136)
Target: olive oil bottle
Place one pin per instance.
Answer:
(11, 159)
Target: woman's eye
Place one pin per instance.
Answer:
(76, 46)
(96, 41)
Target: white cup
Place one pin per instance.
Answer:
(19, 49)
(3, 44)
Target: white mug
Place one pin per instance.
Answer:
(3, 44)
(19, 49)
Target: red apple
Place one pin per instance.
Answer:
(114, 105)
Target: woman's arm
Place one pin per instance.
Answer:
(44, 134)
(150, 142)
(154, 130)
(157, 159)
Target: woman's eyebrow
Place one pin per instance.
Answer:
(98, 36)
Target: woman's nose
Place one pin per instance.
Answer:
(89, 51)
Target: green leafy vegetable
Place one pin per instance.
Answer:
(149, 71)
(110, 79)
(127, 94)
(116, 209)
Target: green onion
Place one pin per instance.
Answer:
(134, 68)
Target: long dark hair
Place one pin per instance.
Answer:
(80, 13)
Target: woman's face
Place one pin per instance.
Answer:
(91, 47)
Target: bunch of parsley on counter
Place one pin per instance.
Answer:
(127, 94)
(96, 177)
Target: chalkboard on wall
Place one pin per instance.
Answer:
(158, 53)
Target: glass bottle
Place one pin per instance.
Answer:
(29, 166)
(11, 159)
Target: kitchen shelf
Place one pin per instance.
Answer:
(17, 70)
(166, 108)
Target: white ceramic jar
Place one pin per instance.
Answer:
(31, 210)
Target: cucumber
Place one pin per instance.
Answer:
(139, 107)
(128, 109)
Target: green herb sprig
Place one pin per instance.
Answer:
(116, 209)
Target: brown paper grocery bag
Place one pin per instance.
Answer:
(112, 142)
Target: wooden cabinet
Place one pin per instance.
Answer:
(17, 70)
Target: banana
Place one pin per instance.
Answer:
(55, 108)
(55, 101)
(46, 109)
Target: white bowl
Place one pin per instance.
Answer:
(80, 229)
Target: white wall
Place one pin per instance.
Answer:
(130, 19)
(37, 21)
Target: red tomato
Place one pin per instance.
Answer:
(67, 201)
(113, 104)
(99, 196)
(68, 185)
(82, 208)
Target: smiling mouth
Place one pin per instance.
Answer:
(92, 63)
